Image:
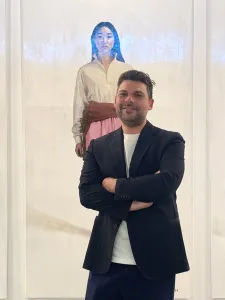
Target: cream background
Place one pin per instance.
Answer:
(216, 144)
(180, 43)
(3, 156)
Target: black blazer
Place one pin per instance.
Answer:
(155, 232)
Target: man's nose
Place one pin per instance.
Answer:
(129, 99)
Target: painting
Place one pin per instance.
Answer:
(69, 76)
(93, 109)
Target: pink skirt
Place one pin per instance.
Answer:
(100, 128)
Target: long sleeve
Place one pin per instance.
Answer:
(156, 187)
(79, 103)
(93, 195)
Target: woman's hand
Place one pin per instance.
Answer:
(79, 150)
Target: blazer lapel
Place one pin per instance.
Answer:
(116, 146)
(145, 140)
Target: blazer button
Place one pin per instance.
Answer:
(115, 226)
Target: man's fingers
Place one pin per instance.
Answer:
(136, 205)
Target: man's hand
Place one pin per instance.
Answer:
(109, 184)
(136, 205)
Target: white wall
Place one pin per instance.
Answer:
(216, 142)
(180, 44)
(3, 155)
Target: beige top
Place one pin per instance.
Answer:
(94, 83)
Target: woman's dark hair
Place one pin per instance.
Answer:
(116, 48)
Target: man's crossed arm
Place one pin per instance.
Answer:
(93, 195)
(115, 196)
(110, 185)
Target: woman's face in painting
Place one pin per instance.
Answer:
(104, 41)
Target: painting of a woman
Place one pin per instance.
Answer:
(94, 114)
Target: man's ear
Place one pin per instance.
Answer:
(151, 102)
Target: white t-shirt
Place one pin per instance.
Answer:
(122, 252)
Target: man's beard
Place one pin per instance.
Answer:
(130, 121)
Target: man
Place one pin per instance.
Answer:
(131, 176)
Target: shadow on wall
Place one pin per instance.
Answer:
(38, 219)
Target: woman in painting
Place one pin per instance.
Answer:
(94, 114)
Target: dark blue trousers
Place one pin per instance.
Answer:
(124, 282)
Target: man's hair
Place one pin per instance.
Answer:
(138, 76)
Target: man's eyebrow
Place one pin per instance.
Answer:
(141, 92)
(122, 91)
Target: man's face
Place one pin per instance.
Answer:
(132, 103)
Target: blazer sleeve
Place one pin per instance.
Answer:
(93, 195)
(156, 187)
